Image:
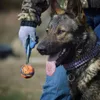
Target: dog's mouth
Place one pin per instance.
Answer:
(55, 60)
(58, 57)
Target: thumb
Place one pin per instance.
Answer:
(32, 44)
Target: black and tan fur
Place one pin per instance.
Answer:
(71, 32)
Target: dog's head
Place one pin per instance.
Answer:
(65, 34)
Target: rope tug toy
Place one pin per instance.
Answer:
(27, 71)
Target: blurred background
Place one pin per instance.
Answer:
(12, 56)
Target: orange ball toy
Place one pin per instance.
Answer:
(27, 71)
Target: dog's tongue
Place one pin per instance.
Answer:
(50, 68)
(51, 64)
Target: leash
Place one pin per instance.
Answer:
(28, 49)
(27, 71)
(87, 57)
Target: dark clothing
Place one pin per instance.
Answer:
(32, 9)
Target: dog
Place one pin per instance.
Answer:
(72, 43)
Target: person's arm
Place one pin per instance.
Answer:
(31, 11)
(30, 18)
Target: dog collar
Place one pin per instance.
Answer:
(85, 58)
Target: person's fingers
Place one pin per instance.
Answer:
(33, 39)
(23, 39)
(33, 35)
(32, 44)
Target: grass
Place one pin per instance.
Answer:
(13, 96)
(17, 95)
(14, 87)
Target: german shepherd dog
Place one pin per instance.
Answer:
(72, 43)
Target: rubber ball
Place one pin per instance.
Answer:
(27, 71)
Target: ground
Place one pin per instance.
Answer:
(14, 87)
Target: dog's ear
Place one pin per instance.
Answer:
(74, 8)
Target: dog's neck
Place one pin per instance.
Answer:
(86, 45)
(88, 50)
(81, 46)
(84, 48)
(83, 53)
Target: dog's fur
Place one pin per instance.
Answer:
(71, 32)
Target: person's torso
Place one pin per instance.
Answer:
(61, 5)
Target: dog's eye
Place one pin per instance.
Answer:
(60, 32)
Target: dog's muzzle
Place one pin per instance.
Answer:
(42, 49)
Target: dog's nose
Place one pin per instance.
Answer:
(42, 49)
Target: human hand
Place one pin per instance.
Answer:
(26, 31)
